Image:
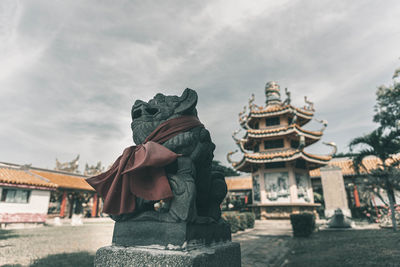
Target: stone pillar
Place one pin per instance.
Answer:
(334, 191)
(95, 206)
(63, 204)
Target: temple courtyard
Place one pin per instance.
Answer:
(270, 243)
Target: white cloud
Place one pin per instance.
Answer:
(70, 71)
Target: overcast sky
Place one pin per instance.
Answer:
(71, 70)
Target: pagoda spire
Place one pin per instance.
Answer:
(272, 93)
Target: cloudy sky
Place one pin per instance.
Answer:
(71, 70)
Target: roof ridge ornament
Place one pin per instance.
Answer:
(243, 117)
(323, 122)
(25, 167)
(310, 105)
(334, 147)
(252, 106)
(239, 142)
(288, 97)
(228, 157)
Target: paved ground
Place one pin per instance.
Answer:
(22, 246)
(262, 246)
(266, 244)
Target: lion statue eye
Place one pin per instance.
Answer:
(151, 111)
(137, 114)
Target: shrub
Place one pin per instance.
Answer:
(250, 219)
(303, 224)
(232, 220)
(239, 221)
(242, 221)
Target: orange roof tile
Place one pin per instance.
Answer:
(238, 183)
(64, 180)
(276, 108)
(319, 157)
(284, 128)
(268, 109)
(23, 177)
(282, 154)
(346, 164)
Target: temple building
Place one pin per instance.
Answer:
(31, 195)
(273, 152)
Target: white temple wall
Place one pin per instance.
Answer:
(293, 185)
(305, 193)
(282, 185)
(38, 203)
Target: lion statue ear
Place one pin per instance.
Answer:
(187, 102)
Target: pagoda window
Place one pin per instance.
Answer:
(272, 121)
(275, 165)
(256, 148)
(278, 143)
(256, 125)
(294, 143)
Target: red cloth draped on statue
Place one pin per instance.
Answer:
(139, 171)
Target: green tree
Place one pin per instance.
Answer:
(383, 143)
(387, 106)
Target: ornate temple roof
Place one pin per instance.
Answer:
(289, 139)
(248, 159)
(23, 178)
(65, 180)
(30, 176)
(346, 164)
(279, 110)
(285, 130)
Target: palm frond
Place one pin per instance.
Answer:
(358, 159)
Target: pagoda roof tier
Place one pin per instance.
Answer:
(315, 161)
(303, 115)
(311, 136)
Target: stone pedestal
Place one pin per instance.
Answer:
(146, 233)
(153, 243)
(218, 255)
(334, 191)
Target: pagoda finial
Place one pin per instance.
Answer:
(272, 93)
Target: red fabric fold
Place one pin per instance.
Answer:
(139, 171)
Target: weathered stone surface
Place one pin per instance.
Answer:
(198, 189)
(144, 233)
(219, 255)
(334, 191)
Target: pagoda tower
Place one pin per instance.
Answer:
(273, 152)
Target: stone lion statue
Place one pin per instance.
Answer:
(197, 189)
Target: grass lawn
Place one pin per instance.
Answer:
(346, 248)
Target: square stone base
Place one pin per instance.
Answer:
(218, 255)
(146, 233)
